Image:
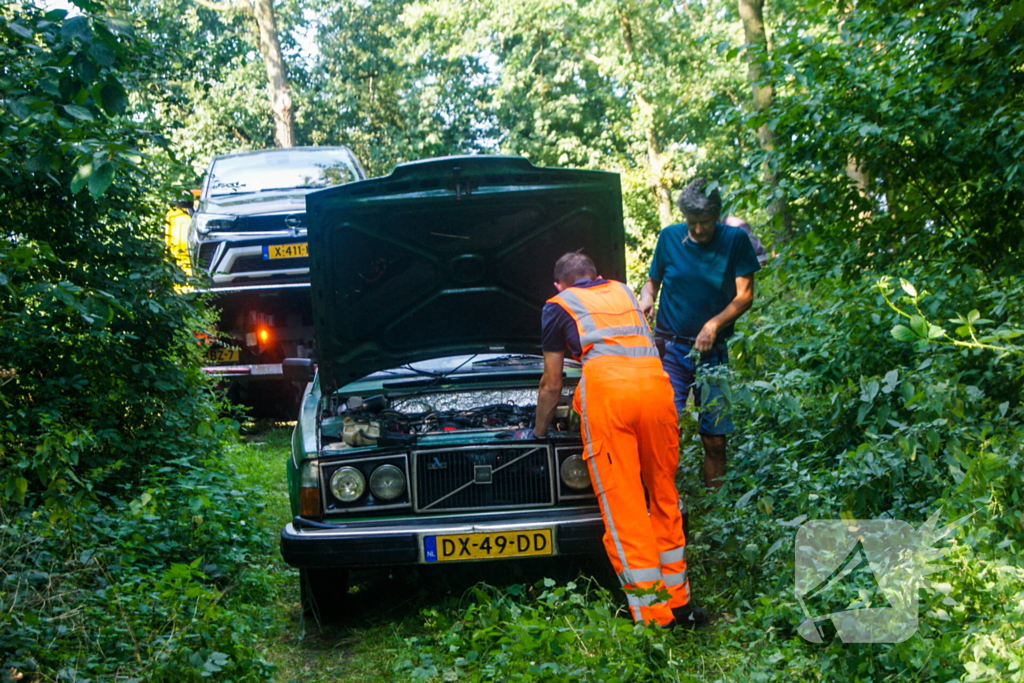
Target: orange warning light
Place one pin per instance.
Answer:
(264, 335)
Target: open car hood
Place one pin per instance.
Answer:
(449, 256)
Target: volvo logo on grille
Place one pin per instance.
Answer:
(482, 474)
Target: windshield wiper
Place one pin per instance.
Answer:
(510, 359)
(417, 371)
(290, 187)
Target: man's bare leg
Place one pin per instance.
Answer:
(714, 460)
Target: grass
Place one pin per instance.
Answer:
(362, 649)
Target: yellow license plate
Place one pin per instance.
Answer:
(222, 355)
(490, 546)
(273, 251)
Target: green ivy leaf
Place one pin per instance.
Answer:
(81, 178)
(20, 30)
(76, 28)
(908, 288)
(745, 498)
(98, 312)
(80, 113)
(50, 86)
(37, 163)
(891, 379)
(121, 27)
(902, 333)
(101, 178)
(871, 390)
(919, 326)
(113, 98)
(20, 489)
(935, 332)
(102, 54)
(19, 109)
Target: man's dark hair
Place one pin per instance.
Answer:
(695, 201)
(574, 266)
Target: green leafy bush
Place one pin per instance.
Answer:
(124, 546)
(151, 588)
(836, 418)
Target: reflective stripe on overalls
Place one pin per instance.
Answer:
(631, 434)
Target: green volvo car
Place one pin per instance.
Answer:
(427, 287)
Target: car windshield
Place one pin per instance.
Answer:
(481, 362)
(281, 170)
(435, 367)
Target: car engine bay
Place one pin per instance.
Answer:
(355, 421)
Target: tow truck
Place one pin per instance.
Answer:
(247, 237)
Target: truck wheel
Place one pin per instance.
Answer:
(323, 592)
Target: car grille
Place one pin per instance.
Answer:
(206, 252)
(252, 264)
(484, 477)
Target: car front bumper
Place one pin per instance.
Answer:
(375, 543)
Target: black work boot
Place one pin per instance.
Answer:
(690, 616)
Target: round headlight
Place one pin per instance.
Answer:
(348, 484)
(574, 473)
(387, 482)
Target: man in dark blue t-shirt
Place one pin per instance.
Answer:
(705, 271)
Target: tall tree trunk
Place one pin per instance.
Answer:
(277, 79)
(752, 16)
(657, 160)
(656, 163)
(270, 47)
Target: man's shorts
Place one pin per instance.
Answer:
(714, 414)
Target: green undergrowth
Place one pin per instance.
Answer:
(543, 632)
(163, 580)
(836, 419)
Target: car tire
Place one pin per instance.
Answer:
(323, 593)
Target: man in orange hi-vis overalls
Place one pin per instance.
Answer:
(630, 430)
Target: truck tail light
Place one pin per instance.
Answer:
(309, 490)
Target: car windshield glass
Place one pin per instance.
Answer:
(437, 367)
(281, 170)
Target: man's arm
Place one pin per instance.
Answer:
(648, 295)
(550, 391)
(738, 306)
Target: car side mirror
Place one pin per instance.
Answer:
(299, 370)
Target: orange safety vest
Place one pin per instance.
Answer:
(609, 321)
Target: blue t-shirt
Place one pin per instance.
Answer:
(698, 281)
